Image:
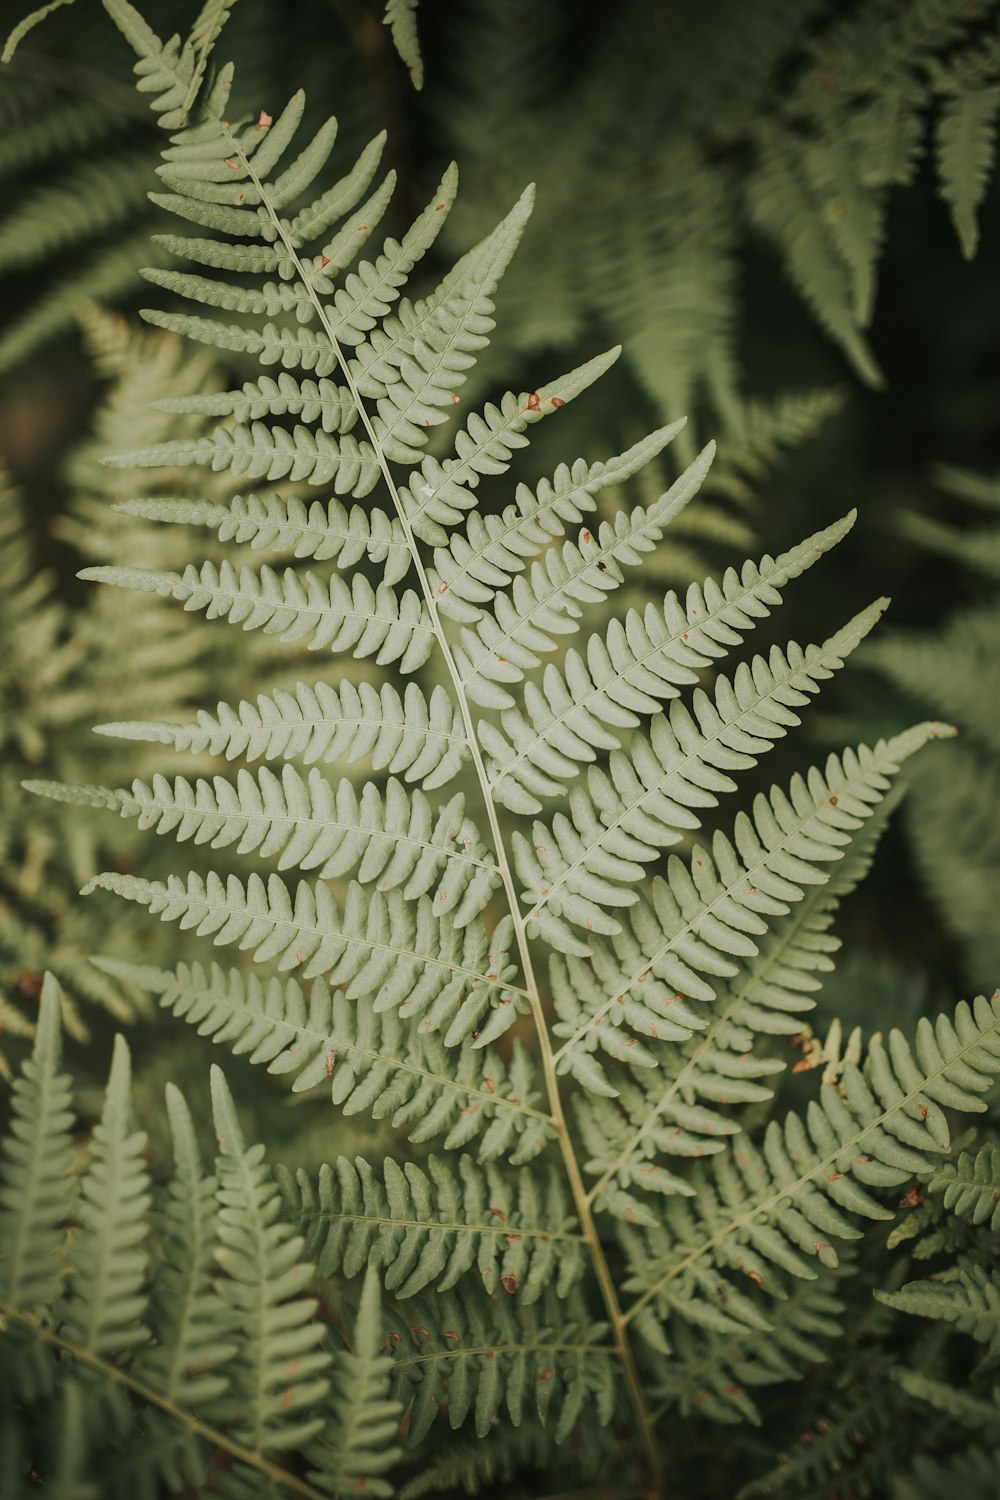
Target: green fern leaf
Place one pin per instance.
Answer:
(764, 1213)
(355, 1446)
(397, 954)
(420, 739)
(279, 1374)
(630, 670)
(583, 864)
(489, 1354)
(395, 839)
(37, 1186)
(370, 1062)
(430, 1228)
(319, 531)
(401, 17)
(107, 1301)
(709, 914)
(193, 1340)
(968, 1297)
(484, 446)
(682, 1108)
(965, 146)
(330, 614)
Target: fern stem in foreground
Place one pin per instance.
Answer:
(121, 1376)
(582, 1207)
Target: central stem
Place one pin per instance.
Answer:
(581, 1204)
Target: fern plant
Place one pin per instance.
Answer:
(210, 1347)
(956, 838)
(524, 910)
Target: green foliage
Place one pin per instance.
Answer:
(482, 816)
(956, 837)
(226, 1354)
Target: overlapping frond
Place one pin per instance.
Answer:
(651, 795)
(770, 1212)
(395, 954)
(707, 915)
(493, 1355)
(431, 1227)
(682, 1108)
(370, 1061)
(631, 669)
(225, 1355)
(396, 840)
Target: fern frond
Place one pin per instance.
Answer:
(279, 1375)
(713, 1371)
(396, 954)
(37, 1186)
(970, 1186)
(431, 1227)
(681, 1108)
(965, 148)
(545, 602)
(395, 839)
(355, 1445)
(468, 571)
(630, 670)
(782, 203)
(581, 865)
(96, 200)
(488, 1354)
(401, 17)
(107, 1302)
(765, 1212)
(419, 738)
(329, 614)
(319, 531)
(33, 19)
(371, 1062)
(966, 1296)
(445, 489)
(193, 1336)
